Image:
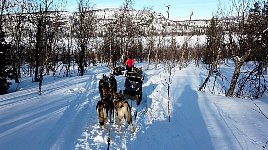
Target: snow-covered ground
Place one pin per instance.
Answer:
(64, 116)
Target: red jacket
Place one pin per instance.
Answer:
(130, 62)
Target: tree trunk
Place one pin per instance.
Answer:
(37, 47)
(238, 64)
(16, 75)
(212, 68)
(41, 80)
(148, 58)
(156, 59)
(82, 59)
(235, 76)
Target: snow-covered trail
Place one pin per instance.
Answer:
(214, 122)
(186, 128)
(64, 116)
(53, 120)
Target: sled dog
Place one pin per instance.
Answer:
(102, 113)
(104, 85)
(118, 96)
(123, 110)
(113, 83)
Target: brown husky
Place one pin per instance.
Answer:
(122, 109)
(105, 91)
(102, 113)
(118, 96)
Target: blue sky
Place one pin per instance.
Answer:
(179, 9)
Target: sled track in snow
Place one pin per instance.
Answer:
(76, 111)
(233, 129)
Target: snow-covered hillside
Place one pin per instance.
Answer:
(146, 19)
(64, 116)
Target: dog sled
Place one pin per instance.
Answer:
(133, 85)
(118, 71)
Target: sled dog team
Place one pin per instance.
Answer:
(112, 104)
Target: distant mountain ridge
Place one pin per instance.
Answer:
(145, 18)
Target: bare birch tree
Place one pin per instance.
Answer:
(83, 31)
(212, 53)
